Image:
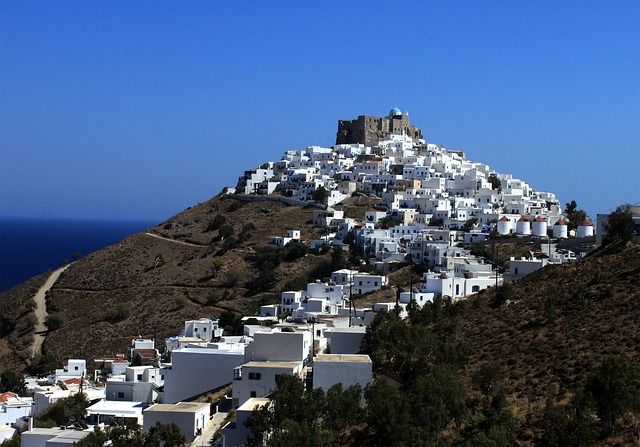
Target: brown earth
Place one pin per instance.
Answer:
(149, 283)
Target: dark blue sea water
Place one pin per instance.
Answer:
(29, 247)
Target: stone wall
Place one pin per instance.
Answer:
(374, 128)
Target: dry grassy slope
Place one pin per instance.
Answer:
(157, 300)
(544, 347)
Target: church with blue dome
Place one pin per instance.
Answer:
(367, 128)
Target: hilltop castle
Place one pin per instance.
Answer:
(374, 128)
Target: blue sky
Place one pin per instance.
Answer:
(138, 110)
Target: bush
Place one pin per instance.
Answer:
(119, 313)
(216, 223)
(294, 250)
(32, 320)
(614, 387)
(55, 321)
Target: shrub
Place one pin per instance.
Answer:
(181, 302)
(32, 320)
(55, 321)
(119, 313)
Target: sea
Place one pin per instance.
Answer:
(31, 246)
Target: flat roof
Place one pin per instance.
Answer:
(180, 407)
(353, 358)
(353, 329)
(254, 403)
(272, 364)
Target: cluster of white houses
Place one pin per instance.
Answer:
(433, 204)
(433, 201)
(323, 352)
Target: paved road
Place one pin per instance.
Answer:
(41, 310)
(215, 423)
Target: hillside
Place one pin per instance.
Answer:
(149, 283)
(554, 328)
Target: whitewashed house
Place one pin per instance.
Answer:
(14, 407)
(347, 369)
(138, 384)
(235, 433)
(190, 417)
(259, 378)
(194, 371)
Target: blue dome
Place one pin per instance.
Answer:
(395, 111)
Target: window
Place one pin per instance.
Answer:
(516, 270)
(254, 376)
(139, 376)
(76, 368)
(120, 394)
(253, 394)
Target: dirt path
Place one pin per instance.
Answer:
(41, 310)
(188, 244)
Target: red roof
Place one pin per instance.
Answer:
(6, 396)
(586, 223)
(73, 381)
(561, 222)
(523, 219)
(120, 361)
(503, 219)
(539, 219)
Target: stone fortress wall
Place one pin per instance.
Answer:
(367, 128)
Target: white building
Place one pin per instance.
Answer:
(52, 437)
(519, 268)
(43, 397)
(279, 345)
(257, 379)
(14, 407)
(345, 340)
(235, 433)
(194, 371)
(585, 229)
(190, 417)
(348, 369)
(75, 369)
(138, 384)
(109, 411)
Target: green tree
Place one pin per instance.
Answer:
(164, 435)
(55, 321)
(619, 225)
(294, 250)
(470, 223)
(438, 399)
(342, 409)
(504, 293)
(115, 436)
(293, 417)
(43, 364)
(12, 381)
(571, 425)
(216, 223)
(495, 182)
(63, 410)
(387, 415)
(614, 387)
(320, 194)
